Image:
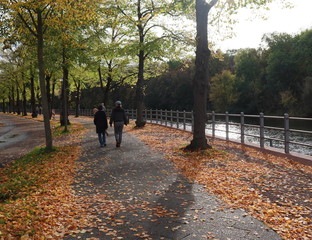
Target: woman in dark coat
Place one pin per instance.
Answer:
(100, 120)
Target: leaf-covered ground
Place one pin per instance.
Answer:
(38, 201)
(272, 189)
(36, 197)
(137, 194)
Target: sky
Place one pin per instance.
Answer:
(249, 31)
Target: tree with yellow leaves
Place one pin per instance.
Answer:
(36, 17)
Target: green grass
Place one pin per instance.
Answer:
(60, 130)
(21, 179)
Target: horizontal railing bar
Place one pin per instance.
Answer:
(274, 128)
(273, 117)
(301, 144)
(300, 131)
(251, 125)
(275, 139)
(251, 116)
(250, 135)
(300, 118)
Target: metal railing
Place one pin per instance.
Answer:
(238, 127)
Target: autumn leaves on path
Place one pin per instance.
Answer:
(135, 193)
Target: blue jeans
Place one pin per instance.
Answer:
(118, 127)
(102, 138)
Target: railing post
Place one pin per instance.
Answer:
(166, 111)
(171, 118)
(286, 132)
(184, 120)
(161, 116)
(213, 117)
(151, 113)
(178, 116)
(242, 121)
(261, 130)
(227, 125)
(192, 121)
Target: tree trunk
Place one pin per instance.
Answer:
(18, 101)
(10, 101)
(53, 94)
(38, 95)
(77, 99)
(3, 105)
(13, 100)
(109, 83)
(48, 78)
(101, 82)
(200, 81)
(139, 99)
(64, 113)
(45, 107)
(24, 100)
(32, 94)
(139, 92)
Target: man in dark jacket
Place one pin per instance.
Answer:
(100, 120)
(119, 118)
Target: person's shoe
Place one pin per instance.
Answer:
(101, 145)
(117, 144)
(104, 145)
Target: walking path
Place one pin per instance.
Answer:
(18, 136)
(154, 200)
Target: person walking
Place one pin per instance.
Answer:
(119, 118)
(100, 121)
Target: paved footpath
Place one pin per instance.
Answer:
(18, 136)
(156, 201)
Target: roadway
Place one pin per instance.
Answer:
(18, 136)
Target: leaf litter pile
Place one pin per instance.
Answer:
(36, 197)
(275, 190)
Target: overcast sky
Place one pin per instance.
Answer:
(249, 32)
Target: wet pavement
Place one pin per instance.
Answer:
(18, 136)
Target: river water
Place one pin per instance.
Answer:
(268, 133)
(234, 133)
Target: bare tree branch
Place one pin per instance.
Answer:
(32, 18)
(212, 3)
(27, 25)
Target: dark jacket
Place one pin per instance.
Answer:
(100, 120)
(118, 115)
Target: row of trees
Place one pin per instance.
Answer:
(70, 39)
(274, 80)
(67, 46)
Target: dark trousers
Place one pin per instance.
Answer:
(102, 138)
(118, 127)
